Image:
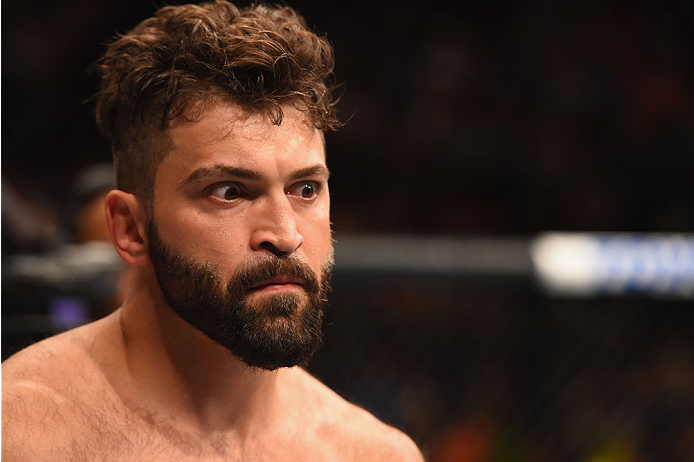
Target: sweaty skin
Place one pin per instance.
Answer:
(142, 384)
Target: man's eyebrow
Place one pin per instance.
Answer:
(318, 169)
(221, 170)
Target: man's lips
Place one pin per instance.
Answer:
(279, 282)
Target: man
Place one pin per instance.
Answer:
(216, 118)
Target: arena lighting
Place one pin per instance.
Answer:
(594, 264)
(563, 264)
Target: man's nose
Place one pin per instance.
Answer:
(276, 228)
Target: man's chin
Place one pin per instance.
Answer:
(271, 330)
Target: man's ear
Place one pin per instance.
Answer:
(126, 223)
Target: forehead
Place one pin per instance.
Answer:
(225, 133)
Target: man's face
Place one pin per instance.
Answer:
(240, 236)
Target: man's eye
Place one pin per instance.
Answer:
(305, 189)
(225, 191)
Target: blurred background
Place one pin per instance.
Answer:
(473, 129)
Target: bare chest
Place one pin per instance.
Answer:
(133, 436)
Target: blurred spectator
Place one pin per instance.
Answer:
(68, 280)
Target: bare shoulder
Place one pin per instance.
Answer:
(356, 433)
(42, 399)
(56, 363)
(372, 439)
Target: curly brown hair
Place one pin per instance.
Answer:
(170, 65)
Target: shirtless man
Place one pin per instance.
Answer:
(216, 117)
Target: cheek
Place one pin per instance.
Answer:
(202, 236)
(221, 242)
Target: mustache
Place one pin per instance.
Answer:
(271, 266)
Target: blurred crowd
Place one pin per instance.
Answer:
(482, 374)
(463, 118)
(514, 117)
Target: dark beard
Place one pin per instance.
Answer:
(282, 330)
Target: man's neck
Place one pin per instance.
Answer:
(177, 372)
